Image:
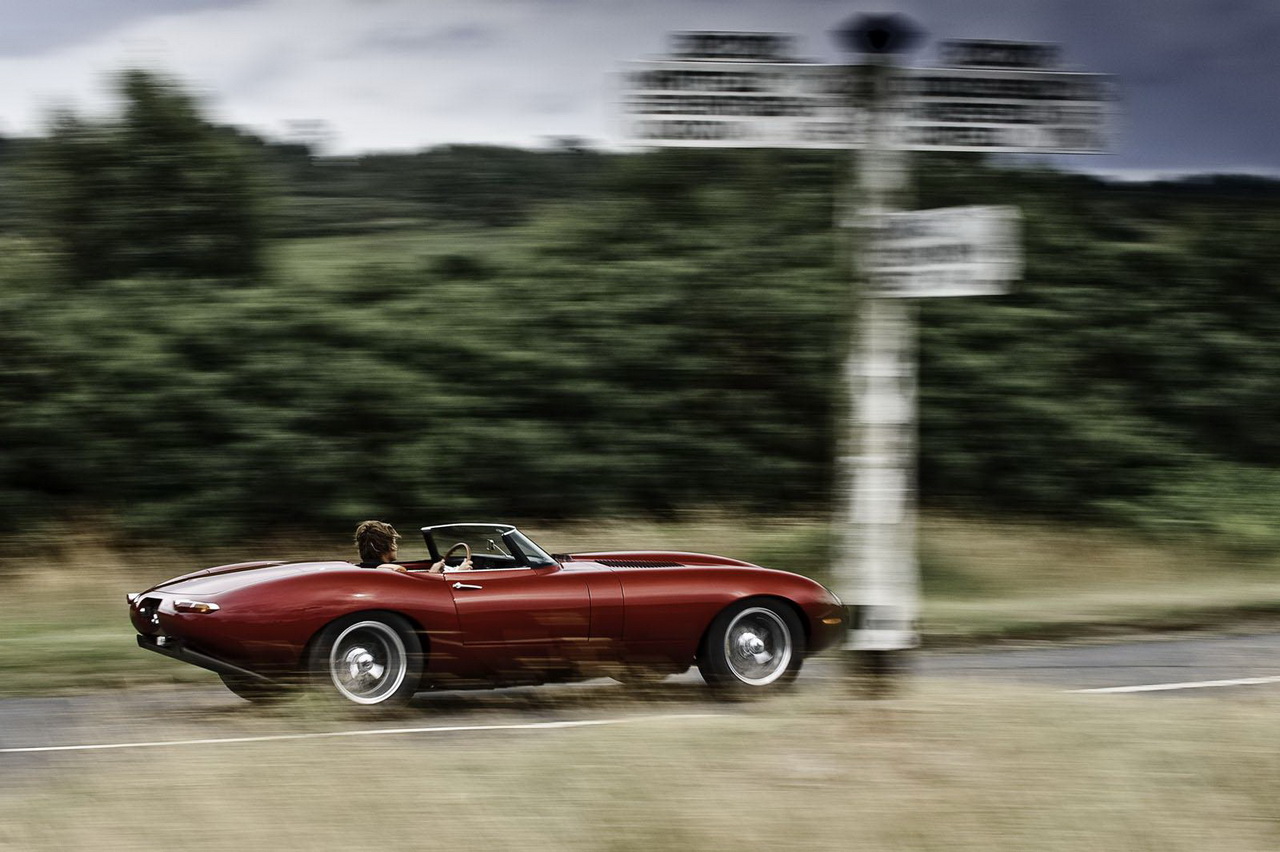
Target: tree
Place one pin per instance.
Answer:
(157, 191)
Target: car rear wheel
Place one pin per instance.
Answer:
(370, 660)
(752, 647)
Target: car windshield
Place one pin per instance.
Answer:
(533, 554)
(491, 545)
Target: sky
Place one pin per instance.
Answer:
(1198, 79)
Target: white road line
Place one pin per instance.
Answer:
(1198, 684)
(370, 733)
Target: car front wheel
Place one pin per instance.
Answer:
(371, 659)
(752, 646)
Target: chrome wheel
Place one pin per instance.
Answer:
(368, 662)
(757, 646)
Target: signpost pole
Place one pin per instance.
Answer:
(875, 560)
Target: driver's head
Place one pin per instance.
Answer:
(375, 540)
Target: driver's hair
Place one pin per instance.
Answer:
(374, 538)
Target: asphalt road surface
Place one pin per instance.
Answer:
(1219, 667)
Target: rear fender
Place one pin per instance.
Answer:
(273, 623)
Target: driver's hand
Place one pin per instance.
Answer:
(465, 566)
(436, 568)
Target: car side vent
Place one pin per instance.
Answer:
(635, 563)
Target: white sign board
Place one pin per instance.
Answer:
(742, 90)
(995, 53)
(953, 251)
(735, 104)
(982, 109)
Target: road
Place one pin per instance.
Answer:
(145, 717)
(1096, 666)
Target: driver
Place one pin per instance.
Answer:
(378, 542)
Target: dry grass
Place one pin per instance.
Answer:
(992, 578)
(947, 767)
(64, 623)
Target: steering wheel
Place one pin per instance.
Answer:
(465, 547)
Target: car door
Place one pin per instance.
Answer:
(522, 620)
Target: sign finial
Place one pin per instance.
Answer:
(878, 34)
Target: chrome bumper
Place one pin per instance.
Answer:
(174, 649)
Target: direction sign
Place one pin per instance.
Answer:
(748, 47)
(991, 53)
(987, 109)
(952, 251)
(737, 104)
(760, 98)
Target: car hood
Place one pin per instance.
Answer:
(224, 578)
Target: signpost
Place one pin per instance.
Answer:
(746, 90)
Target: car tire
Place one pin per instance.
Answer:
(367, 660)
(753, 647)
(257, 691)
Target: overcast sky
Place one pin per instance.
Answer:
(1199, 78)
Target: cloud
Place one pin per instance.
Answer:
(1198, 76)
(31, 28)
(411, 39)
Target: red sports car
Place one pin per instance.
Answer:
(374, 637)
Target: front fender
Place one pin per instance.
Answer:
(669, 610)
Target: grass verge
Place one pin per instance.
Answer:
(946, 767)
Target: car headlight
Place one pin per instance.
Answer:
(196, 606)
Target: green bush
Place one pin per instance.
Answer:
(664, 332)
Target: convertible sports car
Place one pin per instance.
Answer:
(374, 637)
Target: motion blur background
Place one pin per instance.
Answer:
(216, 329)
(214, 333)
(271, 267)
(251, 335)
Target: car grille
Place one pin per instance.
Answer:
(147, 608)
